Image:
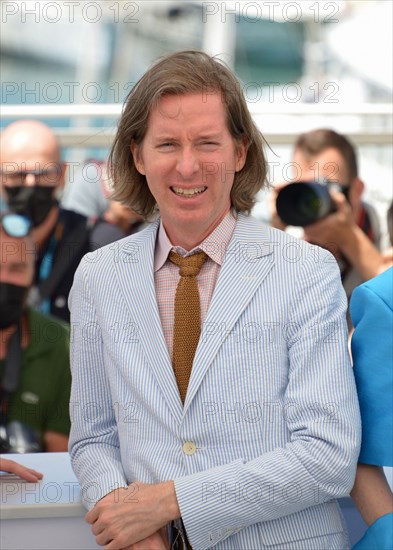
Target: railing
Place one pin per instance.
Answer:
(373, 121)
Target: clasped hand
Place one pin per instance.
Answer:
(134, 517)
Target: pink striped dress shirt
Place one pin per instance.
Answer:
(166, 274)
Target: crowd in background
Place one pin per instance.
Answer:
(59, 234)
(43, 241)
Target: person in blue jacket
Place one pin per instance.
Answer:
(372, 349)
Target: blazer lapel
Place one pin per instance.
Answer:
(248, 260)
(135, 272)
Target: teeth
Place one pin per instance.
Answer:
(188, 192)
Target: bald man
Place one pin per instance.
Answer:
(35, 378)
(31, 174)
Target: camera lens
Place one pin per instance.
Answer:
(303, 203)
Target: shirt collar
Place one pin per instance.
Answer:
(215, 244)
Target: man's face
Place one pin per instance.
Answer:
(30, 173)
(329, 164)
(189, 159)
(29, 165)
(17, 260)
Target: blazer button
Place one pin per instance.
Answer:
(189, 448)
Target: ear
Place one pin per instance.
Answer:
(355, 197)
(60, 180)
(62, 173)
(136, 155)
(241, 153)
(356, 191)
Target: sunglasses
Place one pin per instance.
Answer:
(47, 177)
(15, 225)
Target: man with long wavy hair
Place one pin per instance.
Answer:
(247, 440)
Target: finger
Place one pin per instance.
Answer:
(163, 532)
(92, 516)
(38, 475)
(148, 544)
(26, 473)
(105, 540)
(97, 529)
(32, 477)
(157, 541)
(276, 188)
(113, 545)
(152, 542)
(279, 186)
(338, 198)
(35, 474)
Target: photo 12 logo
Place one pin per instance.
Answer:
(69, 11)
(64, 92)
(289, 12)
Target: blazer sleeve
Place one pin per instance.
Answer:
(372, 350)
(322, 414)
(94, 442)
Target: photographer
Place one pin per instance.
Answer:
(31, 176)
(351, 230)
(35, 377)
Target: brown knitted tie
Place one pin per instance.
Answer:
(187, 317)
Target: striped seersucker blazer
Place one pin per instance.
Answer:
(269, 433)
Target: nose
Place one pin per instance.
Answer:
(30, 180)
(187, 163)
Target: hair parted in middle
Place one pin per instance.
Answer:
(178, 74)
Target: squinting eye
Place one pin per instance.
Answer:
(165, 147)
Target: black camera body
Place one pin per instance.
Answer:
(305, 202)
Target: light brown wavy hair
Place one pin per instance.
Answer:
(177, 74)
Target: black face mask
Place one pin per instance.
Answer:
(12, 303)
(34, 202)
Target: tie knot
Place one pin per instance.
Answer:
(189, 266)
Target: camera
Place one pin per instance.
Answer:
(305, 202)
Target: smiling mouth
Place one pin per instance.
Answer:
(188, 192)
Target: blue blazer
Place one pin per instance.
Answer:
(269, 433)
(372, 349)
